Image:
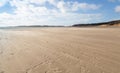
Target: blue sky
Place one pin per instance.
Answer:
(57, 12)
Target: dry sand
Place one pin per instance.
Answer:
(60, 50)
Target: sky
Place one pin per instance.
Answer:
(57, 12)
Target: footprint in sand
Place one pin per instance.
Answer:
(2, 72)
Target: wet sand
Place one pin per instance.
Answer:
(60, 50)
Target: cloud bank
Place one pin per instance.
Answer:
(47, 12)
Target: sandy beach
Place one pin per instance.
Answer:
(60, 50)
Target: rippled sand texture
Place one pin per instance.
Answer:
(60, 50)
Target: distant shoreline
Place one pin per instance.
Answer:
(103, 24)
(115, 23)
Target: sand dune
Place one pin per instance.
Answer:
(60, 50)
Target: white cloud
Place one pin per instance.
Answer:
(37, 1)
(75, 6)
(85, 6)
(117, 9)
(61, 6)
(58, 19)
(89, 6)
(26, 13)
